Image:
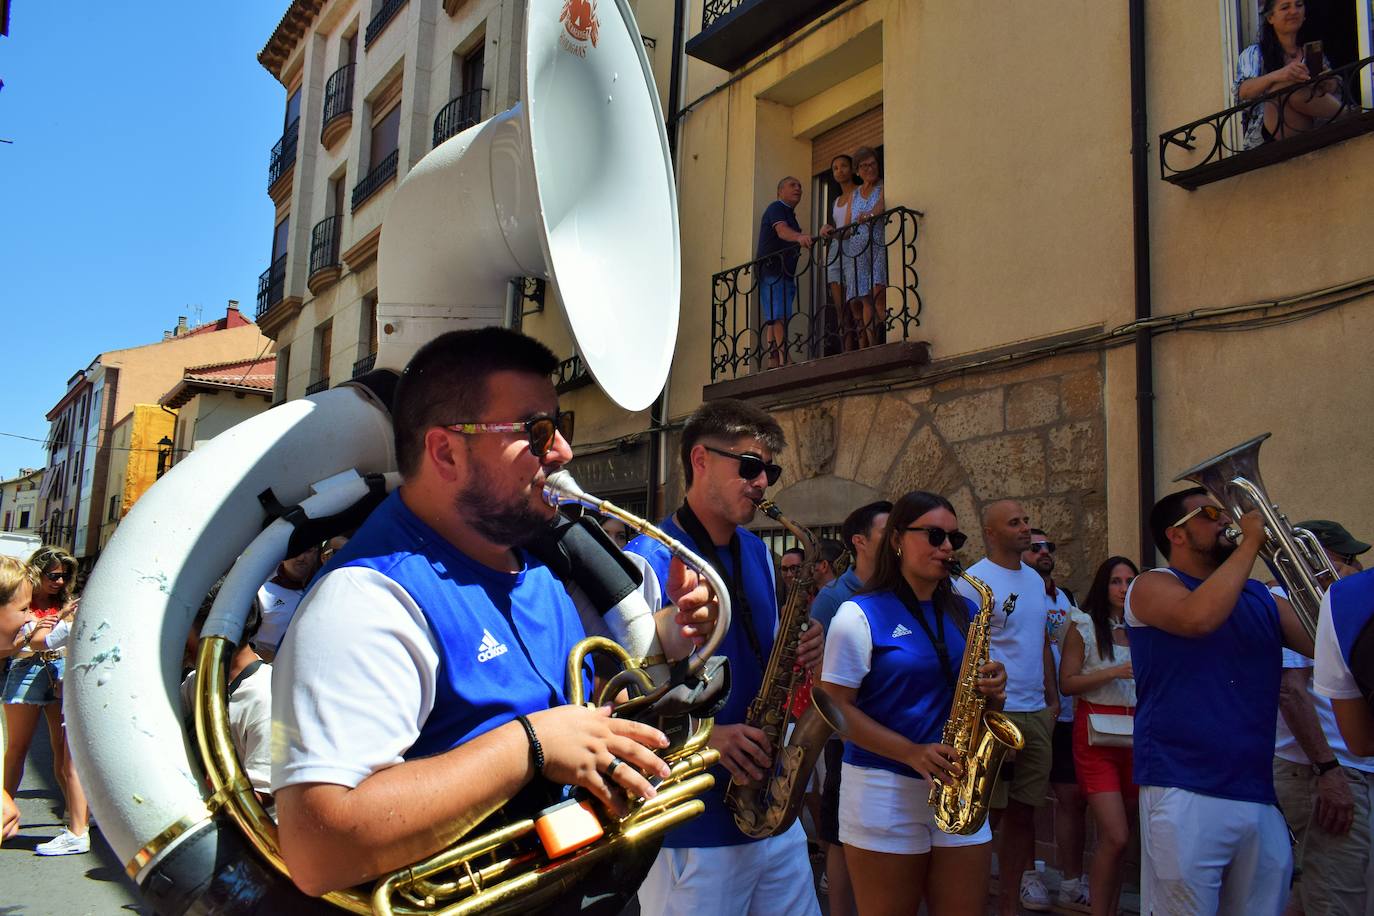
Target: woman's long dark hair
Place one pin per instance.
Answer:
(1271, 51)
(1097, 606)
(887, 574)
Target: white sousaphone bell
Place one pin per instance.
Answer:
(573, 185)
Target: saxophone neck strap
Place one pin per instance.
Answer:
(935, 635)
(733, 576)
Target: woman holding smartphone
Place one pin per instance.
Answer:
(1277, 60)
(892, 658)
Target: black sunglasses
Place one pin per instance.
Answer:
(56, 576)
(937, 536)
(540, 431)
(1037, 546)
(750, 466)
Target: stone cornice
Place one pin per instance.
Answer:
(288, 33)
(363, 251)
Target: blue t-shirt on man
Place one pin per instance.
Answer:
(771, 243)
(1206, 705)
(834, 594)
(716, 825)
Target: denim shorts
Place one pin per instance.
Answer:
(32, 681)
(775, 298)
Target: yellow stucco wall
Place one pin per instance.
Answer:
(133, 460)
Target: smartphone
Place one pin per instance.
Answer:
(1312, 58)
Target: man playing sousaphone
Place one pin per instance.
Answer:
(421, 685)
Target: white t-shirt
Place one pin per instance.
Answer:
(375, 660)
(1286, 745)
(1332, 677)
(277, 604)
(848, 647)
(250, 723)
(1116, 692)
(1018, 640)
(1059, 609)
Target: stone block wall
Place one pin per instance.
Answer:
(1034, 432)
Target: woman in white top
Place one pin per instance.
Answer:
(865, 255)
(1096, 668)
(842, 170)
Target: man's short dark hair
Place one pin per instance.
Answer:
(1167, 511)
(728, 419)
(1039, 532)
(845, 156)
(446, 383)
(831, 550)
(861, 520)
(797, 550)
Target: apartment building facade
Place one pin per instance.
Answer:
(210, 399)
(21, 511)
(99, 397)
(1040, 283)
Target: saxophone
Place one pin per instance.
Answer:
(769, 807)
(980, 737)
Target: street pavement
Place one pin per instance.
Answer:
(32, 885)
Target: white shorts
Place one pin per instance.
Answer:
(766, 878)
(884, 811)
(1205, 855)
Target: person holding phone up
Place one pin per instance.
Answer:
(1276, 61)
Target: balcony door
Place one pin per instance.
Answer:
(293, 110)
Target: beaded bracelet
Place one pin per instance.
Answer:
(536, 749)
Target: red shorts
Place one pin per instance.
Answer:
(1101, 769)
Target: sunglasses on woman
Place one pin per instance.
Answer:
(56, 576)
(937, 536)
(541, 431)
(750, 466)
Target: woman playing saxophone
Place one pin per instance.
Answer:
(892, 657)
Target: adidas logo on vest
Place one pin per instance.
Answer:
(489, 648)
(900, 630)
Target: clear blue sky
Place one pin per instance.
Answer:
(135, 188)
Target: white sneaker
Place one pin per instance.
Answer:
(65, 843)
(1073, 895)
(1034, 894)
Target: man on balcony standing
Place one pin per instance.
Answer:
(779, 237)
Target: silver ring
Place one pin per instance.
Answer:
(610, 767)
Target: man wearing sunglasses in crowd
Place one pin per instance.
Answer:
(1020, 642)
(707, 865)
(421, 687)
(1206, 644)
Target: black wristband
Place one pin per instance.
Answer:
(1321, 769)
(536, 749)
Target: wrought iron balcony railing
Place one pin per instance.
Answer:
(1229, 143)
(734, 32)
(364, 365)
(284, 153)
(373, 180)
(317, 386)
(819, 301)
(271, 285)
(338, 96)
(571, 374)
(324, 244)
(458, 115)
(712, 10)
(380, 21)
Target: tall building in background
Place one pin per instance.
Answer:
(104, 394)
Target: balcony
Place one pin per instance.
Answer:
(735, 31)
(374, 180)
(458, 115)
(283, 163)
(364, 365)
(324, 253)
(1214, 147)
(271, 287)
(317, 386)
(338, 106)
(380, 21)
(821, 339)
(571, 374)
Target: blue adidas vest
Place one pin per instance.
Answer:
(905, 689)
(1207, 705)
(716, 826)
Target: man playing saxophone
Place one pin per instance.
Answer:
(421, 686)
(708, 865)
(892, 659)
(1205, 648)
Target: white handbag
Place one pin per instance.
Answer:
(1107, 729)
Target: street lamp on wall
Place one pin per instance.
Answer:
(164, 455)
